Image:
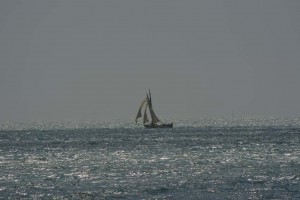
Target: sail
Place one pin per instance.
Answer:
(153, 116)
(139, 114)
(146, 120)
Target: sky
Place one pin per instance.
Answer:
(95, 60)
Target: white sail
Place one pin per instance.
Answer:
(153, 116)
(146, 120)
(139, 114)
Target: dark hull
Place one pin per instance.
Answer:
(159, 126)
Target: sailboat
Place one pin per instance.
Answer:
(154, 122)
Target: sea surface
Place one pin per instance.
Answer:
(197, 159)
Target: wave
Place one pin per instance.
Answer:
(130, 124)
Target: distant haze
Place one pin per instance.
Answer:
(73, 60)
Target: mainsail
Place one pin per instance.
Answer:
(153, 116)
(146, 120)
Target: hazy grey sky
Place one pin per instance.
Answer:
(69, 59)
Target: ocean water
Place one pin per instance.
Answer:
(204, 159)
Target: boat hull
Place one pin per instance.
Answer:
(158, 125)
